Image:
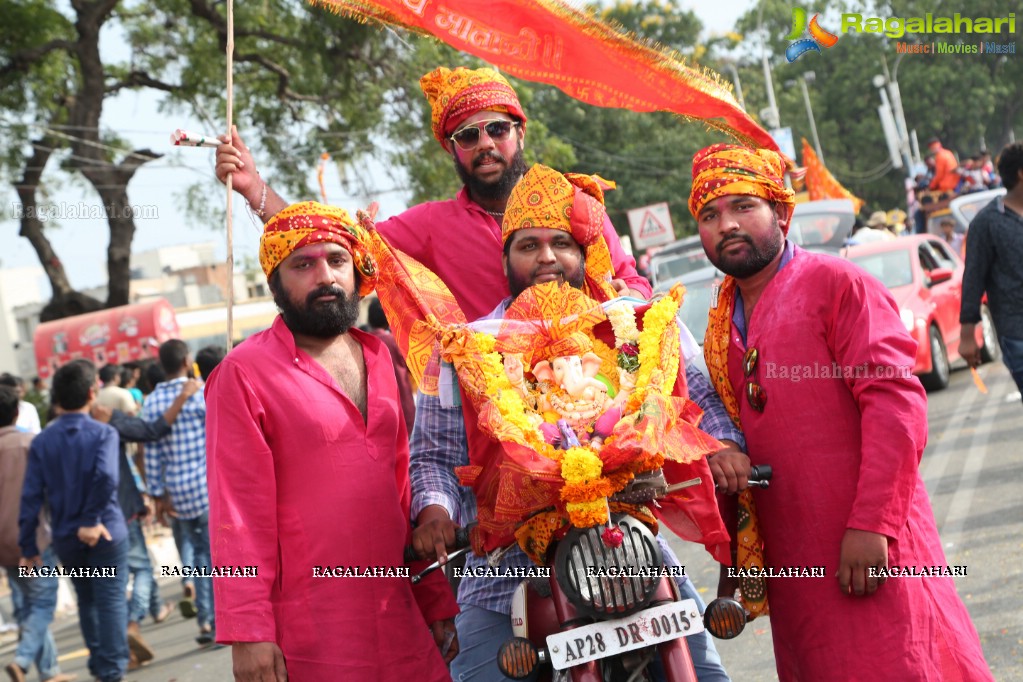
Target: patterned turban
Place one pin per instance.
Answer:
(309, 223)
(726, 169)
(456, 95)
(570, 202)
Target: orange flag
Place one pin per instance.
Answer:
(417, 303)
(548, 41)
(821, 183)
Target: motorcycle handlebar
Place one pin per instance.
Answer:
(760, 475)
(461, 541)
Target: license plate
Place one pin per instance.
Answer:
(612, 637)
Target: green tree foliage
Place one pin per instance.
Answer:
(300, 74)
(970, 101)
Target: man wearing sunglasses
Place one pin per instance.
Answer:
(477, 118)
(540, 245)
(812, 360)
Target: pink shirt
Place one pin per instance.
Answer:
(846, 453)
(461, 243)
(299, 486)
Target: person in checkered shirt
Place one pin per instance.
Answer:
(176, 476)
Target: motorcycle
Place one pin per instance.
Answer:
(610, 613)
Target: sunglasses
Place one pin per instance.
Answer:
(498, 130)
(755, 394)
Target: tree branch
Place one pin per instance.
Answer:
(283, 77)
(21, 60)
(140, 79)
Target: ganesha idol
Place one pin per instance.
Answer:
(569, 387)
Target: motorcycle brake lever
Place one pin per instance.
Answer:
(437, 564)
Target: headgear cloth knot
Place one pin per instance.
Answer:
(455, 95)
(726, 169)
(310, 222)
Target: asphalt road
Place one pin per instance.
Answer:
(973, 469)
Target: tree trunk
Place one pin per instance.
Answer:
(66, 301)
(93, 159)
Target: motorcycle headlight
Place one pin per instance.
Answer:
(607, 581)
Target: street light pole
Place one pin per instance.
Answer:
(738, 85)
(809, 77)
(774, 115)
(895, 96)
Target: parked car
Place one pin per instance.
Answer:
(822, 225)
(926, 278)
(965, 207)
(675, 259)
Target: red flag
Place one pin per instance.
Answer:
(547, 41)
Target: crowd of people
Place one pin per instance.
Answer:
(303, 454)
(81, 493)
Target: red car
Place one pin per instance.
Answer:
(926, 278)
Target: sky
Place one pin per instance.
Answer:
(81, 243)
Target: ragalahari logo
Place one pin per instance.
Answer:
(818, 36)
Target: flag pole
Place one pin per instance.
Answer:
(230, 218)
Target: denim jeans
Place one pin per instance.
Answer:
(33, 611)
(196, 532)
(183, 541)
(1012, 356)
(144, 594)
(482, 632)
(102, 610)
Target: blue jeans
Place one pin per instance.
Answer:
(144, 594)
(33, 611)
(186, 551)
(481, 633)
(102, 610)
(1012, 356)
(196, 532)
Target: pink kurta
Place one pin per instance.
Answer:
(461, 244)
(298, 481)
(846, 454)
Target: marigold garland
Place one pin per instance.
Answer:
(653, 365)
(655, 322)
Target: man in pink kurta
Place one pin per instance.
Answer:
(478, 120)
(308, 473)
(811, 356)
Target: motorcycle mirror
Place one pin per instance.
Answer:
(724, 618)
(518, 658)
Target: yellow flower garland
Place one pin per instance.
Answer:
(586, 489)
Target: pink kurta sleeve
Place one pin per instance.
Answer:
(869, 338)
(624, 264)
(243, 504)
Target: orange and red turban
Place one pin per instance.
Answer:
(455, 95)
(727, 169)
(570, 202)
(310, 222)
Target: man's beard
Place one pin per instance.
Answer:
(517, 284)
(499, 189)
(759, 257)
(320, 319)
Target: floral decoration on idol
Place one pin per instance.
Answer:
(580, 401)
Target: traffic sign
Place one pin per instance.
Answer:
(651, 226)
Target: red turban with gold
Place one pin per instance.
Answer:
(310, 222)
(727, 169)
(455, 95)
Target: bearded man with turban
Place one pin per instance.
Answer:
(308, 476)
(551, 234)
(811, 358)
(477, 119)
